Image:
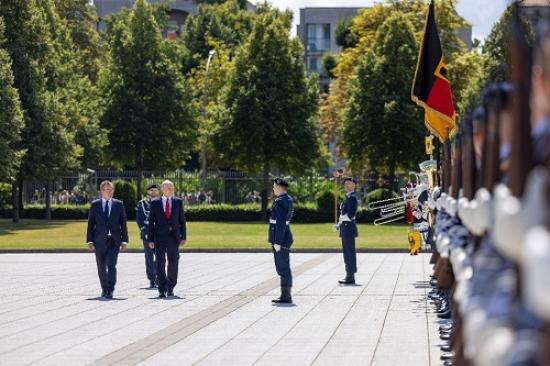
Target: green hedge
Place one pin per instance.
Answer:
(304, 213)
(5, 195)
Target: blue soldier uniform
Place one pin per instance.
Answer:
(143, 209)
(280, 238)
(348, 233)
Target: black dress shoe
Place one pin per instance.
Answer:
(285, 297)
(152, 284)
(170, 292)
(446, 315)
(109, 294)
(447, 356)
(162, 294)
(104, 293)
(349, 280)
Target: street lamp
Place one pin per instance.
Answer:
(204, 102)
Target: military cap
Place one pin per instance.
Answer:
(281, 182)
(152, 186)
(350, 179)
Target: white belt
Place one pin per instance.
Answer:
(345, 217)
(271, 221)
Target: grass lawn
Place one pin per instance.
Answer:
(54, 235)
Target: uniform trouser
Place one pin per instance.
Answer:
(282, 265)
(350, 256)
(149, 261)
(167, 275)
(106, 257)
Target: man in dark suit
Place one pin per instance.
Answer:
(348, 230)
(167, 231)
(107, 235)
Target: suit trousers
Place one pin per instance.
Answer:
(106, 257)
(149, 261)
(167, 275)
(350, 256)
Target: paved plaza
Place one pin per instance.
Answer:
(222, 315)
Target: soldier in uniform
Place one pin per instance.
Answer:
(348, 230)
(143, 210)
(280, 237)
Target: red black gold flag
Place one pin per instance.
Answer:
(431, 89)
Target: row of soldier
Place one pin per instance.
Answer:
(491, 247)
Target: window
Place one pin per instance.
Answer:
(318, 37)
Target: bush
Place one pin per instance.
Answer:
(126, 191)
(303, 213)
(325, 201)
(5, 195)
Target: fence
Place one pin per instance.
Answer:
(220, 186)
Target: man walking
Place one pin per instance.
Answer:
(143, 210)
(107, 235)
(280, 237)
(167, 231)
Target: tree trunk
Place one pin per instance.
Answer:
(48, 202)
(20, 195)
(15, 201)
(265, 190)
(393, 186)
(140, 175)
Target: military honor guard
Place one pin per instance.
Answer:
(107, 235)
(348, 230)
(166, 233)
(280, 237)
(143, 209)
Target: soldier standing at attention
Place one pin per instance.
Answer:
(143, 210)
(280, 237)
(348, 230)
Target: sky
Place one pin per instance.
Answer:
(482, 14)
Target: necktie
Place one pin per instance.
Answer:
(106, 210)
(167, 209)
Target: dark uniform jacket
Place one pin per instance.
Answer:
(279, 221)
(349, 207)
(142, 219)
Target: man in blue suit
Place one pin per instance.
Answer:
(167, 231)
(280, 237)
(348, 230)
(107, 235)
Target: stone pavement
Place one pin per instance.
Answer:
(49, 313)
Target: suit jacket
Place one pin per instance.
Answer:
(281, 214)
(165, 231)
(99, 227)
(348, 229)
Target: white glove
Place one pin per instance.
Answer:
(277, 247)
(335, 227)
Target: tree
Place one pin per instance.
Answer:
(496, 66)
(81, 20)
(226, 24)
(381, 126)
(11, 117)
(364, 28)
(345, 38)
(271, 124)
(242, 3)
(40, 63)
(329, 63)
(149, 113)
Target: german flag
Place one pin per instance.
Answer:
(431, 89)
